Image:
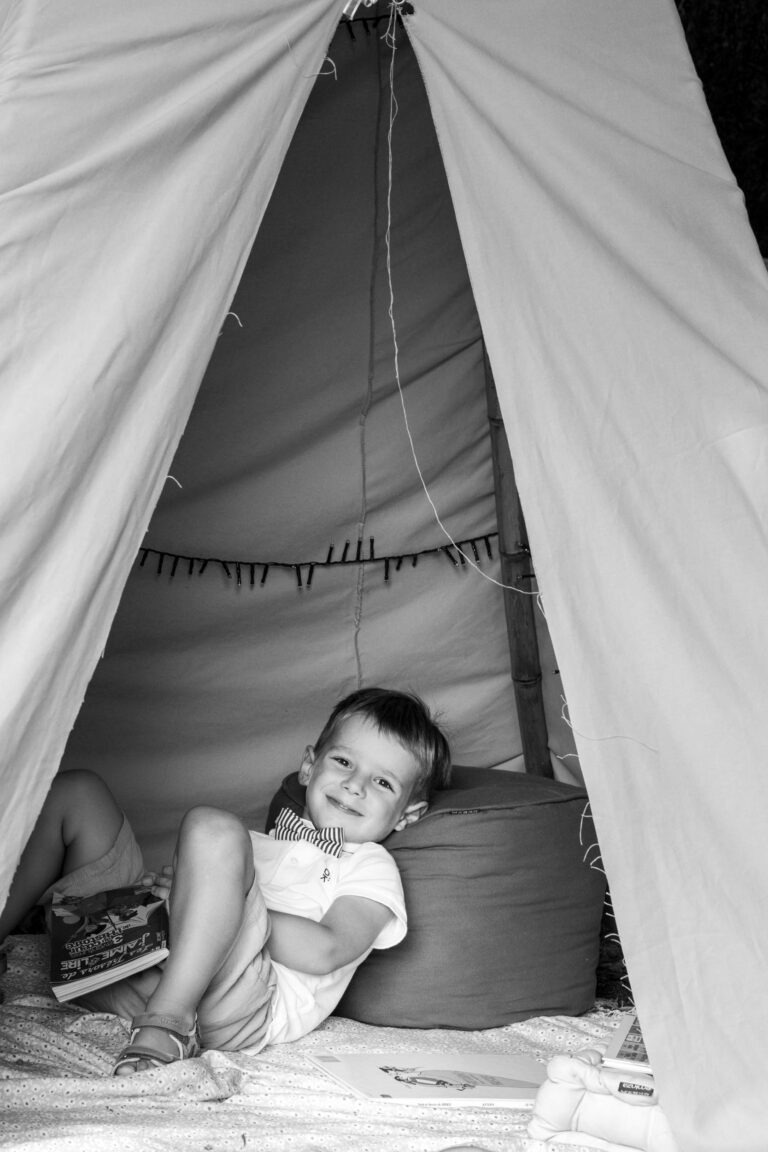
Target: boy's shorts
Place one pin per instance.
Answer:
(236, 1009)
(122, 865)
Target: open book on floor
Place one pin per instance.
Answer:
(626, 1049)
(96, 940)
(467, 1079)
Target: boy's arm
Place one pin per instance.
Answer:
(347, 930)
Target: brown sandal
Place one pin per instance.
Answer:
(186, 1042)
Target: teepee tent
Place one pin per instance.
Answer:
(623, 304)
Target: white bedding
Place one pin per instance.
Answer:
(56, 1091)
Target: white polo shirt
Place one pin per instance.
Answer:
(298, 877)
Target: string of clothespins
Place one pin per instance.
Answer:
(247, 571)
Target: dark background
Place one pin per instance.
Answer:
(728, 40)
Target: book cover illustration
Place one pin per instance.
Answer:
(479, 1079)
(96, 940)
(626, 1049)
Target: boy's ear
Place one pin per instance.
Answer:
(413, 812)
(307, 763)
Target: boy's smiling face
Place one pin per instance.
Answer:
(361, 782)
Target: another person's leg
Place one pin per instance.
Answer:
(213, 873)
(79, 822)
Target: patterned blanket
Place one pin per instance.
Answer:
(57, 1091)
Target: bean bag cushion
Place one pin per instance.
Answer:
(504, 907)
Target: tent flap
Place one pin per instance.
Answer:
(139, 157)
(624, 304)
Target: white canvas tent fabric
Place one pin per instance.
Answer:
(121, 264)
(624, 304)
(630, 351)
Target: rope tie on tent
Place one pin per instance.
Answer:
(350, 18)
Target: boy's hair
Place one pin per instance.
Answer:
(406, 718)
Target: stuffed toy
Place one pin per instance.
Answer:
(620, 1110)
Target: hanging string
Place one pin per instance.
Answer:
(331, 70)
(592, 855)
(612, 960)
(599, 739)
(390, 36)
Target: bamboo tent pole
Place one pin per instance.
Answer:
(517, 572)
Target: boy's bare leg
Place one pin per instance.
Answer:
(213, 874)
(79, 822)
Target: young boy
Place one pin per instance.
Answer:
(322, 907)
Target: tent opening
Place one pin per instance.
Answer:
(294, 553)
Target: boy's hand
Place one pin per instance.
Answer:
(160, 882)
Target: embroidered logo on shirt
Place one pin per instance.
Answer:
(326, 875)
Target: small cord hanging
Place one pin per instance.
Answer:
(331, 70)
(397, 8)
(611, 967)
(599, 739)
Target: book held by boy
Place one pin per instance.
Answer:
(626, 1049)
(445, 1078)
(96, 940)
